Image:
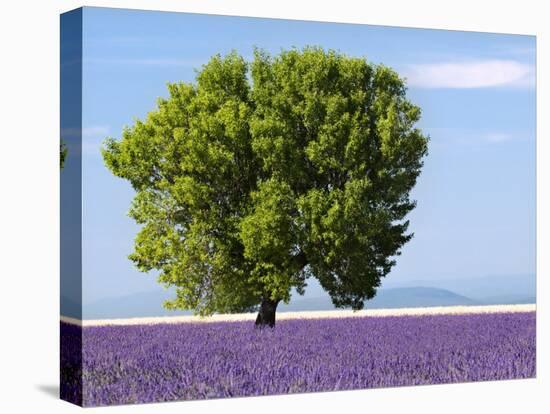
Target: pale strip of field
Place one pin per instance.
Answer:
(440, 310)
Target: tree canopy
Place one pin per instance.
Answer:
(261, 175)
(62, 153)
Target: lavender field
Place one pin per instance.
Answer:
(186, 361)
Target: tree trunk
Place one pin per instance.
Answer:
(266, 314)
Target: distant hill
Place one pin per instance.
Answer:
(487, 290)
(70, 307)
(492, 289)
(150, 303)
(411, 297)
(132, 306)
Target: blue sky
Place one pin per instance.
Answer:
(476, 195)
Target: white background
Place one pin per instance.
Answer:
(29, 193)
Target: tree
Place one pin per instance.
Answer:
(62, 153)
(261, 175)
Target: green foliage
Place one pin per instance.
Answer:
(62, 153)
(261, 175)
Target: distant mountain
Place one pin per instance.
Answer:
(132, 306)
(70, 307)
(150, 303)
(411, 297)
(492, 289)
(487, 290)
(417, 297)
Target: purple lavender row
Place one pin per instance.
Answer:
(149, 363)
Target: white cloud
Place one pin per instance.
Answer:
(496, 137)
(86, 132)
(95, 131)
(471, 74)
(475, 137)
(147, 62)
(92, 137)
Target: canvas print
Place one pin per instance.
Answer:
(256, 206)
